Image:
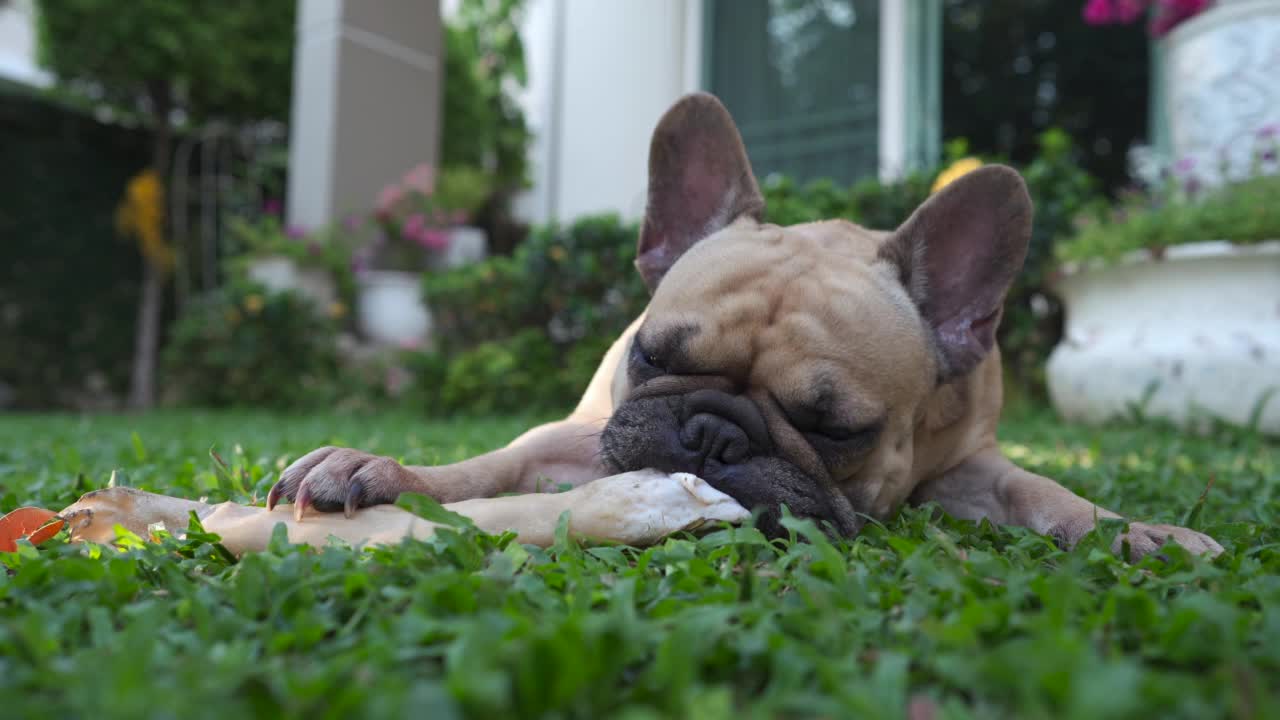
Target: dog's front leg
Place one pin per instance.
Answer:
(545, 458)
(989, 485)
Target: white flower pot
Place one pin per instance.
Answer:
(390, 310)
(1190, 336)
(1222, 85)
(280, 274)
(467, 245)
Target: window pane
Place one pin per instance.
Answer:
(800, 77)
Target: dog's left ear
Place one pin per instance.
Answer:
(699, 181)
(958, 254)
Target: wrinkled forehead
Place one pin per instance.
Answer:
(747, 265)
(751, 299)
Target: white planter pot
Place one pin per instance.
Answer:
(1222, 85)
(390, 310)
(467, 245)
(281, 274)
(1193, 335)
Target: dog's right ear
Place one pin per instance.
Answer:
(699, 181)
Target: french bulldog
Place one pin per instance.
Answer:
(834, 369)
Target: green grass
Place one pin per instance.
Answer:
(977, 621)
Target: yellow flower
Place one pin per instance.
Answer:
(141, 215)
(957, 168)
(337, 310)
(556, 252)
(253, 304)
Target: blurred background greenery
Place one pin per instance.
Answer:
(524, 328)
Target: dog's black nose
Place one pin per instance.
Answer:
(715, 438)
(722, 427)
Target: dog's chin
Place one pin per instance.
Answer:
(646, 434)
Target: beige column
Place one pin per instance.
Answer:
(366, 102)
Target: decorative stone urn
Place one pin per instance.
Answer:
(1192, 335)
(279, 274)
(467, 245)
(1222, 86)
(390, 310)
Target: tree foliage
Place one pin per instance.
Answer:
(484, 66)
(228, 60)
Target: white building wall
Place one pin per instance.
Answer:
(18, 45)
(600, 76)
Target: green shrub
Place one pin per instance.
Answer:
(871, 203)
(525, 333)
(569, 282)
(1244, 212)
(244, 346)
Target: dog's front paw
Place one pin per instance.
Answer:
(1144, 539)
(333, 478)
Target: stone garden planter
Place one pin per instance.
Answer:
(390, 310)
(1193, 334)
(466, 245)
(1222, 85)
(279, 274)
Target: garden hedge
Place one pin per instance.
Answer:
(68, 286)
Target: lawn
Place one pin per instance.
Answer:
(951, 618)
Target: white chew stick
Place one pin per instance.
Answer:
(636, 508)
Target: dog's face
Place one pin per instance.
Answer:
(791, 365)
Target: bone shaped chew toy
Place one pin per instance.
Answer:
(634, 508)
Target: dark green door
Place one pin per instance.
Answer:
(801, 78)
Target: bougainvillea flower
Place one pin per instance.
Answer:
(1099, 12)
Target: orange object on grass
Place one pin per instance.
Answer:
(32, 523)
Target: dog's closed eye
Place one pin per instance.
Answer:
(644, 364)
(862, 437)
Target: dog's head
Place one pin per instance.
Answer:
(791, 365)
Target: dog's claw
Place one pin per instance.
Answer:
(273, 496)
(301, 503)
(353, 497)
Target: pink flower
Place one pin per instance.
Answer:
(1099, 12)
(1184, 166)
(1170, 13)
(1126, 11)
(421, 178)
(388, 199)
(295, 232)
(352, 221)
(271, 206)
(434, 239)
(413, 226)
(458, 217)
(1266, 132)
